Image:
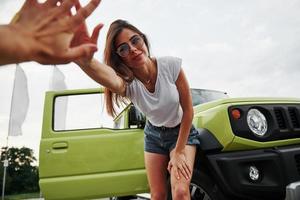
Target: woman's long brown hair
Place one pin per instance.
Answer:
(112, 59)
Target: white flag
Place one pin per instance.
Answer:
(19, 103)
(57, 80)
(61, 102)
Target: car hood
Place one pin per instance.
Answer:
(247, 100)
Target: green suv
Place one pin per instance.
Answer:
(249, 147)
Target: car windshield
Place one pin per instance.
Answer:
(199, 96)
(203, 96)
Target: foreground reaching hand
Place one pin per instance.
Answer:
(178, 163)
(43, 33)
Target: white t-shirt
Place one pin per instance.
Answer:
(162, 107)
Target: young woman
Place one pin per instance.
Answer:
(159, 88)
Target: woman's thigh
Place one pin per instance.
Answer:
(190, 153)
(156, 167)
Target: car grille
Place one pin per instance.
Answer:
(294, 115)
(280, 118)
(287, 118)
(297, 159)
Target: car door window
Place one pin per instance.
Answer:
(84, 111)
(120, 122)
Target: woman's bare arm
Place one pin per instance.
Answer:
(105, 75)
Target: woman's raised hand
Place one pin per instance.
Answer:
(82, 37)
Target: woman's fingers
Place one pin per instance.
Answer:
(65, 7)
(51, 3)
(176, 173)
(78, 6)
(30, 3)
(183, 170)
(180, 170)
(187, 167)
(95, 33)
(83, 13)
(170, 167)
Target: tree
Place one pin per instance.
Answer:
(22, 175)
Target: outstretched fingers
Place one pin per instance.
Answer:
(83, 13)
(65, 7)
(51, 3)
(30, 3)
(95, 34)
(66, 23)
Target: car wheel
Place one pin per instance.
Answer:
(122, 198)
(202, 187)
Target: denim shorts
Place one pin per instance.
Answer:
(162, 140)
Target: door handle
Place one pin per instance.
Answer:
(60, 145)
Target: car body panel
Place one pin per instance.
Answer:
(214, 117)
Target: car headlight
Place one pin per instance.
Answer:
(257, 122)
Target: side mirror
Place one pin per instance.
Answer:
(136, 118)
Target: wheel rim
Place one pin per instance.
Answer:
(198, 193)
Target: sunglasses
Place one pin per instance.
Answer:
(136, 41)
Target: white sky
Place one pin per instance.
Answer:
(246, 48)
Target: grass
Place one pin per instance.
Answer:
(22, 196)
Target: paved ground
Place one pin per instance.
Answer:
(93, 199)
(140, 197)
(43, 199)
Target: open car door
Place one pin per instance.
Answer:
(84, 154)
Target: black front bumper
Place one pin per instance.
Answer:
(277, 168)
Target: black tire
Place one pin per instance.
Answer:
(202, 187)
(122, 198)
